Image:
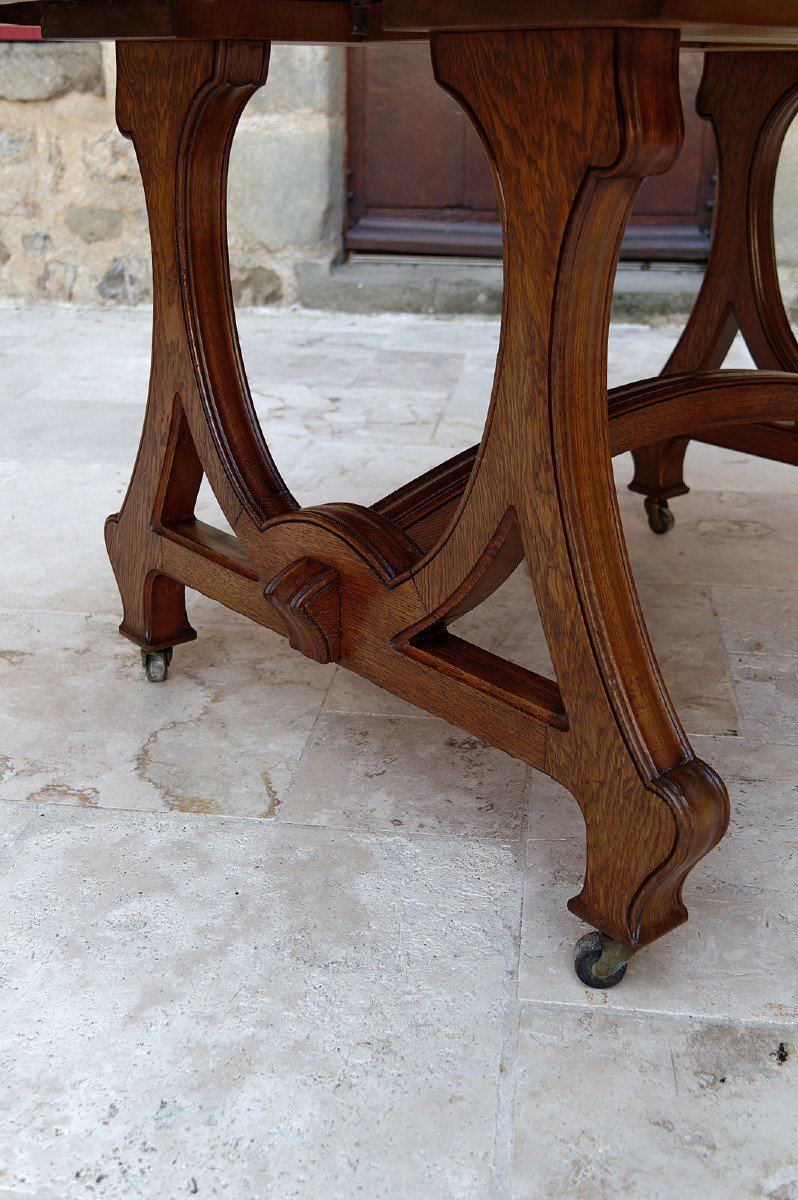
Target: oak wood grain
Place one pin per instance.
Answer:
(751, 100)
(307, 21)
(718, 21)
(573, 122)
(701, 23)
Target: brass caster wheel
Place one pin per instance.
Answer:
(660, 518)
(601, 962)
(156, 664)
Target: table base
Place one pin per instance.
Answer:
(573, 124)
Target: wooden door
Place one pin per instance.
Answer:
(419, 180)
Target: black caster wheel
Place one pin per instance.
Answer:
(660, 518)
(156, 664)
(601, 962)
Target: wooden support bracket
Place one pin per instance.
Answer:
(307, 595)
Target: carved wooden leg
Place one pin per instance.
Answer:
(751, 98)
(573, 124)
(179, 102)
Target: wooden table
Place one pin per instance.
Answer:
(575, 111)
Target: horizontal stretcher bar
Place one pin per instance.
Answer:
(710, 407)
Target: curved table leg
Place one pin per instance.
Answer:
(573, 124)
(751, 98)
(180, 103)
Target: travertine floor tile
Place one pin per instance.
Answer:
(349, 693)
(763, 778)
(462, 421)
(452, 335)
(766, 686)
(413, 774)
(683, 629)
(720, 538)
(730, 962)
(650, 1109)
(43, 430)
(81, 725)
(714, 469)
(228, 1008)
(358, 472)
(686, 639)
(310, 361)
(377, 415)
(757, 620)
(79, 381)
(19, 376)
(51, 530)
(418, 371)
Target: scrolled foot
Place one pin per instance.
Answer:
(156, 664)
(601, 962)
(660, 518)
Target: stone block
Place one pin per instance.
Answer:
(19, 172)
(92, 224)
(36, 244)
(789, 287)
(110, 158)
(57, 281)
(302, 77)
(33, 72)
(280, 187)
(5, 254)
(124, 282)
(255, 287)
(15, 144)
(787, 201)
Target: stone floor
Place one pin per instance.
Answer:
(268, 932)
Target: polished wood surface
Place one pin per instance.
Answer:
(322, 21)
(573, 121)
(700, 22)
(376, 589)
(714, 21)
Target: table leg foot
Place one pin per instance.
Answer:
(601, 962)
(660, 518)
(156, 664)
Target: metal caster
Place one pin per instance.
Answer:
(156, 664)
(601, 962)
(660, 518)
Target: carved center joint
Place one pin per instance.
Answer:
(307, 595)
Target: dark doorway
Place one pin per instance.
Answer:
(419, 180)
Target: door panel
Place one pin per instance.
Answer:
(420, 183)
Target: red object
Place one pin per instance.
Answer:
(20, 33)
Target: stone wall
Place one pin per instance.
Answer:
(73, 224)
(787, 221)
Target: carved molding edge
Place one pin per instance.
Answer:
(307, 595)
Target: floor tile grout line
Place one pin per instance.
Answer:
(300, 763)
(741, 722)
(615, 1012)
(175, 814)
(504, 1131)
